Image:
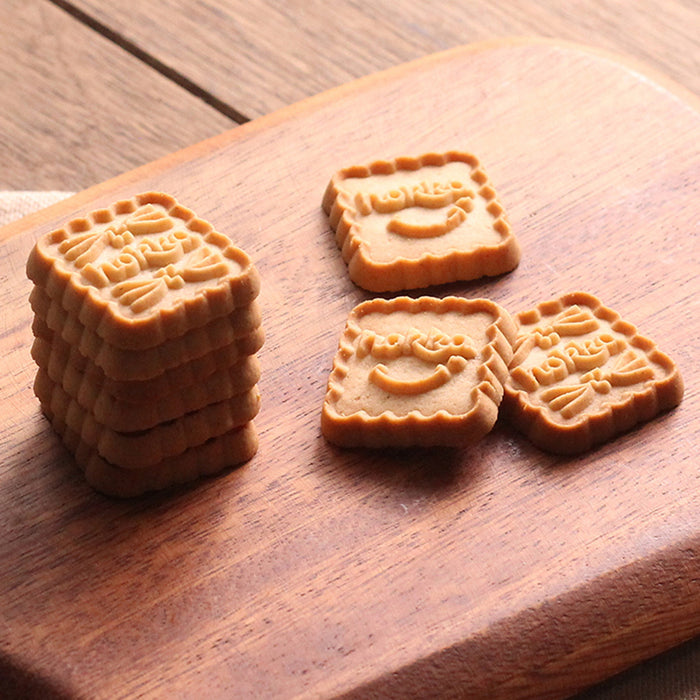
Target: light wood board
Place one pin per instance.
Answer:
(76, 110)
(314, 571)
(260, 55)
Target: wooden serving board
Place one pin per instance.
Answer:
(314, 571)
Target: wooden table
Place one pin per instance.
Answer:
(90, 90)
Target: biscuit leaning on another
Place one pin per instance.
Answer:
(423, 371)
(581, 375)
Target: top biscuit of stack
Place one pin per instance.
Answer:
(143, 271)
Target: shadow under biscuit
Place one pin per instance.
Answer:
(20, 682)
(422, 471)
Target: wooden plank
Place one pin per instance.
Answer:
(497, 572)
(259, 55)
(76, 110)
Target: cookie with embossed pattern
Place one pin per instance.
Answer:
(423, 371)
(88, 386)
(146, 325)
(142, 271)
(581, 375)
(418, 221)
(240, 328)
(146, 448)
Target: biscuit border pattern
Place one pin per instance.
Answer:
(153, 328)
(148, 448)
(88, 388)
(217, 455)
(127, 365)
(429, 269)
(595, 428)
(387, 429)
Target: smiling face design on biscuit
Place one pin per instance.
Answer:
(443, 356)
(415, 222)
(447, 203)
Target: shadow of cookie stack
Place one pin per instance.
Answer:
(146, 326)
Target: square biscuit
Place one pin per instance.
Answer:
(124, 365)
(581, 375)
(52, 352)
(231, 449)
(423, 371)
(143, 449)
(242, 319)
(87, 386)
(418, 221)
(142, 271)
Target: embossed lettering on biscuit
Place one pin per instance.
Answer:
(139, 259)
(146, 324)
(421, 371)
(444, 356)
(580, 375)
(413, 222)
(143, 270)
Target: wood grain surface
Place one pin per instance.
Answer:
(75, 109)
(262, 55)
(70, 88)
(314, 571)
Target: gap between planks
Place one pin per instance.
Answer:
(150, 60)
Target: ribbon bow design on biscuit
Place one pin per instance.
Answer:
(628, 369)
(572, 322)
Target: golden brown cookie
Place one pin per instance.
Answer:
(138, 450)
(50, 347)
(580, 375)
(212, 457)
(125, 365)
(146, 324)
(421, 371)
(142, 271)
(415, 222)
(88, 387)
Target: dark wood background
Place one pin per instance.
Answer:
(91, 89)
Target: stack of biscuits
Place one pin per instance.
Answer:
(146, 326)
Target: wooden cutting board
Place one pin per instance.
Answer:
(314, 571)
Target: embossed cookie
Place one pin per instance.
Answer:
(421, 371)
(147, 448)
(580, 375)
(146, 325)
(89, 388)
(142, 271)
(214, 456)
(415, 222)
(241, 328)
